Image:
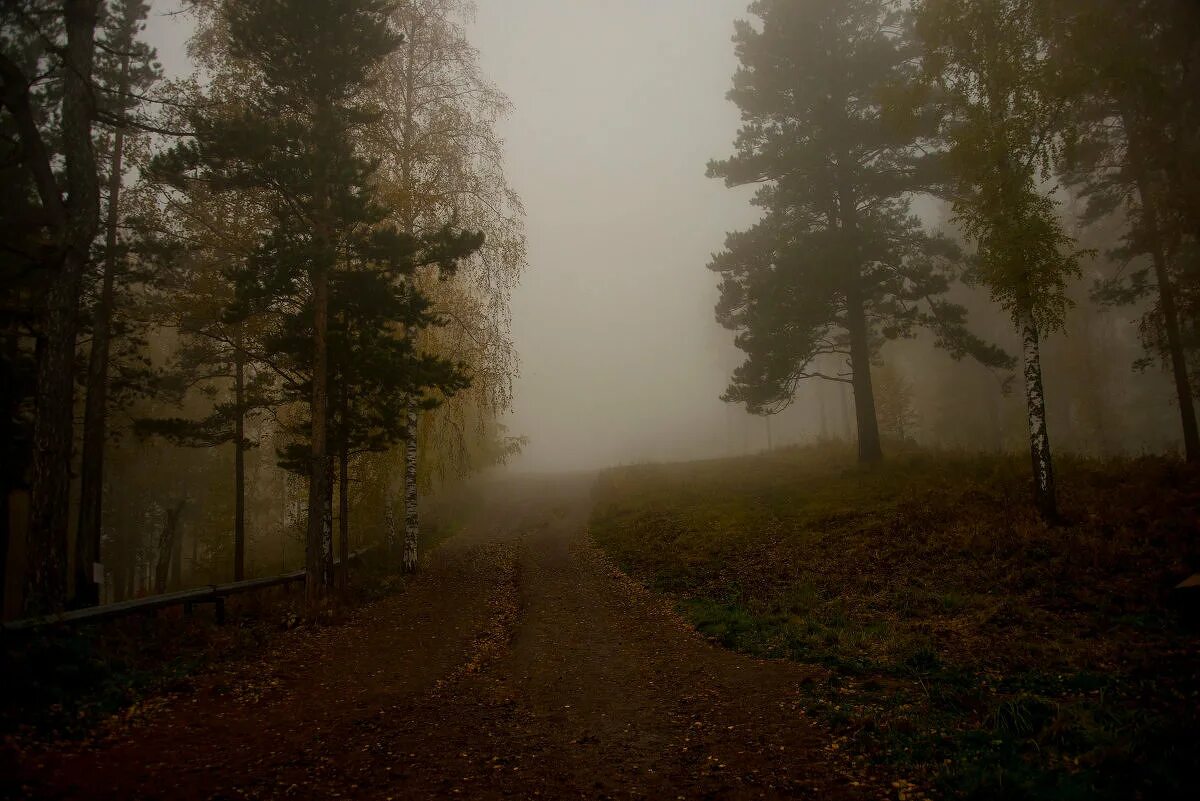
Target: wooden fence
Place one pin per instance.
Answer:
(212, 594)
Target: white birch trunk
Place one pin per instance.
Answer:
(411, 521)
(1035, 402)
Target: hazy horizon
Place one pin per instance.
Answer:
(614, 119)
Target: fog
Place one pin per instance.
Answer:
(617, 109)
(599, 398)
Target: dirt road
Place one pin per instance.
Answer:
(519, 663)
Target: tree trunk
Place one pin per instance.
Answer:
(168, 545)
(239, 460)
(1166, 296)
(411, 520)
(343, 481)
(343, 573)
(327, 527)
(53, 426)
(1039, 437)
(869, 448)
(95, 415)
(319, 468)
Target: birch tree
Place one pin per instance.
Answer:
(441, 158)
(293, 138)
(1002, 124)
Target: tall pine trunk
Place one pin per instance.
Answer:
(1035, 402)
(869, 447)
(343, 570)
(95, 415)
(53, 426)
(239, 459)
(408, 560)
(1152, 230)
(411, 520)
(343, 573)
(318, 478)
(169, 546)
(327, 527)
(319, 467)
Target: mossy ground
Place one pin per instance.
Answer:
(982, 650)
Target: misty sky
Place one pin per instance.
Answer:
(619, 104)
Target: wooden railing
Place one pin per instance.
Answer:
(212, 594)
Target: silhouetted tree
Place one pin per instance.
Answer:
(53, 135)
(832, 127)
(306, 67)
(125, 69)
(1135, 109)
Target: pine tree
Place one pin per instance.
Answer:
(307, 67)
(376, 316)
(125, 70)
(1133, 115)
(60, 166)
(832, 129)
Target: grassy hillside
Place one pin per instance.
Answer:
(969, 645)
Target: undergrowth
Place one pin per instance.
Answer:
(63, 682)
(969, 644)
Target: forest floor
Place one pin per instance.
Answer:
(519, 663)
(971, 648)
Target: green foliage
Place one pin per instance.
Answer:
(1004, 122)
(289, 141)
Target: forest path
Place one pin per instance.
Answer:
(519, 663)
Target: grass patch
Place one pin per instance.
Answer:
(970, 645)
